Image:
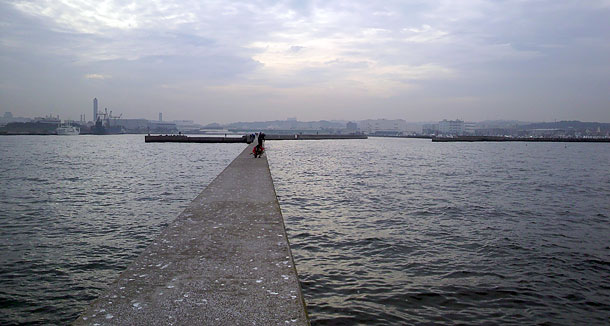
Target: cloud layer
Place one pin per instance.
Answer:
(253, 60)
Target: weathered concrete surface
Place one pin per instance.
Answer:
(224, 261)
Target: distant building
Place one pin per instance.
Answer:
(187, 125)
(548, 132)
(160, 126)
(495, 132)
(49, 119)
(470, 128)
(143, 125)
(160, 116)
(451, 127)
(130, 125)
(95, 109)
(414, 129)
(9, 118)
(383, 126)
(352, 126)
(430, 129)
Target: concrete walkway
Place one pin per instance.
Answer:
(224, 261)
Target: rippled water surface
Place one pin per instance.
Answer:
(76, 210)
(405, 231)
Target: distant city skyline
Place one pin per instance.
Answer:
(11, 115)
(231, 61)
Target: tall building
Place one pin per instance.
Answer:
(383, 126)
(352, 126)
(160, 116)
(470, 128)
(95, 109)
(430, 128)
(451, 127)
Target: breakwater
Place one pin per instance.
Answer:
(313, 137)
(224, 261)
(508, 139)
(187, 139)
(242, 139)
(402, 136)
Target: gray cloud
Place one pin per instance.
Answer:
(417, 60)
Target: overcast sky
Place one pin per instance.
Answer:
(223, 61)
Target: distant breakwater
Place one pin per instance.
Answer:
(501, 139)
(242, 139)
(504, 139)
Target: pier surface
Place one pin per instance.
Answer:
(224, 261)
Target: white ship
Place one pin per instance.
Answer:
(68, 130)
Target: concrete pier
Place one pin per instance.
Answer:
(224, 261)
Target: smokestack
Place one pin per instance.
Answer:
(95, 109)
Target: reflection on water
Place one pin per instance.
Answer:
(75, 211)
(400, 231)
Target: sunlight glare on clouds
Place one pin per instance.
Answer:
(101, 17)
(424, 34)
(96, 76)
(351, 46)
(82, 16)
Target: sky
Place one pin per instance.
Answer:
(226, 61)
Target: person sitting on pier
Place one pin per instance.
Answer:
(258, 151)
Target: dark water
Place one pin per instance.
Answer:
(384, 231)
(76, 210)
(410, 232)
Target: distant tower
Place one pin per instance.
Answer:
(160, 116)
(95, 109)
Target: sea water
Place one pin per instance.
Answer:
(384, 231)
(76, 210)
(410, 232)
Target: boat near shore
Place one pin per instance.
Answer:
(68, 130)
